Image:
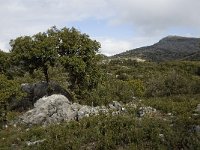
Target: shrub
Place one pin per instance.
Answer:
(171, 83)
(115, 90)
(9, 89)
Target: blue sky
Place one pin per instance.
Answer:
(119, 25)
(101, 28)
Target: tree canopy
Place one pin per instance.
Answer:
(78, 55)
(35, 52)
(68, 47)
(4, 61)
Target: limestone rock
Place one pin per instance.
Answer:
(115, 105)
(146, 111)
(197, 128)
(198, 108)
(57, 108)
(29, 143)
(34, 92)
(52, 109)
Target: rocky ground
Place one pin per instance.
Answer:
(57, 108)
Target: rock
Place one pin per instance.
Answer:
(47, 110)
(198, 108)
(131, 105)
(36, 91)
(102, 109)
(116, 106)
(197, 128)
(111, 106)
(146, 111)
(162, 137)
(195, 114)
(29, 143)
(84, 111)
(134, 98)
(40, 89)
(57, 108)
(169, 114)
(76, 106)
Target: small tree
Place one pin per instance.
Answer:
(72, 49)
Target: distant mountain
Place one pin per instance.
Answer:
(168, 48)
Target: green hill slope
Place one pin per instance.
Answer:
(168, 48)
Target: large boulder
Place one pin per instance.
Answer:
(36, 91)
(40, 89)
(47, 110)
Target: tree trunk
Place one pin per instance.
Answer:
(45, 71)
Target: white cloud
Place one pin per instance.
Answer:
(22, 17)
(155, 16)
(151, 18)
(111, 46)
(3, 46)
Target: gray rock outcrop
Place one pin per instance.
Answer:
(36, 91)
(57, 108)
(52, 109)
(146, 111)
(40, 89)
(198, 108)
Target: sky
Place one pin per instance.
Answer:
(119, 25)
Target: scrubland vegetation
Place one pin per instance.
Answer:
(172, 88)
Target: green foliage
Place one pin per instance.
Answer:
(179, 105)
(78, 56)
(70, 58)
(4, 62)
(167, 49)
(9, 89)
(115, 90)
(172, 83)
(159, 79)
(35, 52)
(138, 87)
(167, 82)
(107, 132)
(67, 48)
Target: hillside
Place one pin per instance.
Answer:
(57, 93)
(168, 48)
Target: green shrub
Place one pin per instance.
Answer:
(178, 105)
(171, 83)
(9, 89)
(115, 90)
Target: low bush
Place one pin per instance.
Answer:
(106, 132)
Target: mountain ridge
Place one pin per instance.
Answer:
(167, 49)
